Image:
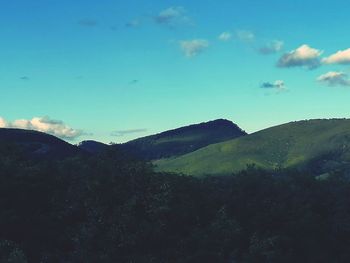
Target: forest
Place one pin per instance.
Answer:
(113, 208)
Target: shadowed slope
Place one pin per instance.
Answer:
(183, 140)
(37, 144)
(93, 147)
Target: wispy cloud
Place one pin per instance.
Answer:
(120, 133)
(172, 16)
(88, 22)
(245, 35)
(44, 124)
(276, 85)
(225, 36)
(24, 78)
(303, 56)
(340, 57)
(133, 23)
(134, 82)
(334, 78)
(192, 48)
(272, 47)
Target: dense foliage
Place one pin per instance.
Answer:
(108, 208)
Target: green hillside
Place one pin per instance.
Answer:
(323, 143)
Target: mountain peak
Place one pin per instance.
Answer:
(215, 126)
(93, 147)
(183, 140)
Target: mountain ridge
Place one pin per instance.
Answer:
(91, 146)
(182, 140)
(215, 147)
(283, 146)
(37, 144)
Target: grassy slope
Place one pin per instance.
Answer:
(283, 146)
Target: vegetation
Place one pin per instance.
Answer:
(182, 140)
(110, 208)
(92, 147)
(38, 145)
(319, 145)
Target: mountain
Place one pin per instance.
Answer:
(92, 147)
(182, 140)
(37, 144)
(321, 145)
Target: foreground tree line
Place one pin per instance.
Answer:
(109, 208)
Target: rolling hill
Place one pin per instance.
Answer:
(37, 144)
(182, 140)
(92, 147)
(322, 145)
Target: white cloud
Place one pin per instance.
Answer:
(192, 48)
(272, 47)
(225, 36)
(334, 78)
(303, 56)
(43, 124)
(341, 57)
(245, 35)
(278, 85)
(21, 124)
(3, 123)
(172, 16)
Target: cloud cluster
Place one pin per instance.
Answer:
(277, 85)
(120, 133)
(303, 56)
(172, 16)
(192, 48)
(334, 78)
(44, 124)
(272, 47)
(308, 57)
(341, 57)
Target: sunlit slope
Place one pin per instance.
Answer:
(288, 145)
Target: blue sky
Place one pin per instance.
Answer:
(116, 70)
